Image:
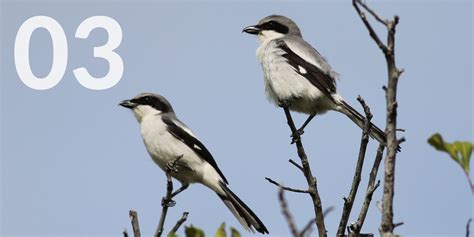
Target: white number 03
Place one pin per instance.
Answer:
(60, 53)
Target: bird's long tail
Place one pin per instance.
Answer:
(358, 119)
(242, 212)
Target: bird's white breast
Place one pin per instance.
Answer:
(163, 147)
(283, 82)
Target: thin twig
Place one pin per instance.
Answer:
(166, 201)
(376, 17)
(469, 180)
(371, 187)
(286, 188)
(310, 179)
(134, 219)
(387, 225)
(467, 226)
(349, 201)
(307, 229)
(296, 164)
(395, 225)
(327, 211)
(372, 32)
(178, 224)
(286, 212)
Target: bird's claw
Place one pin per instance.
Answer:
(171, 167)
(283, 104)
(167, 202)
(295, 137)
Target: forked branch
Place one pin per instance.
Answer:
(387, 226)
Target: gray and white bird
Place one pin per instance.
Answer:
(296, 75)
(168, 140)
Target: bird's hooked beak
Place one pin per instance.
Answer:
(253, 30)
(128, 104)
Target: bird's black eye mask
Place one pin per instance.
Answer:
(153, 102)
(275, 26)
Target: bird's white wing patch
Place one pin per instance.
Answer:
(310, 55)
(185, 128)
(305, 51)
(302, 70)
(197, 147)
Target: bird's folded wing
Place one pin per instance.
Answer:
(304, 59)
(191, 141)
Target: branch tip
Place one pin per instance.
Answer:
(286, 188)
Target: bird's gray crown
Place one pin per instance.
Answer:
(281, 24)
(156, 101)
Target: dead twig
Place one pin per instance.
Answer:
(387, 226)
(310, 179)
(136, 227)
(178, 224)
(467, 226)
(166, 201)
(349, 201)
(286, 213)
(296, 164)
(286, 188)
(371, 187)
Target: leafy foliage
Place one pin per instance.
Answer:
(192, 231)
(222, 233)
(459, 151)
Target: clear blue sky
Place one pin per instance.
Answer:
(73, 163)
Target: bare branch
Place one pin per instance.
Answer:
(136, 227)
(179, 223)
(395, 225)
(286, 188)
(307, 229)
(296, 164)
(286, 213)
(467, 226)
(372, 32)
(167, 201)
(310, 179)
(387, 225)
(377, 17)
(327, 211)
(349, 201)
(371, 187)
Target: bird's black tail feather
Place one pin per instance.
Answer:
(242, 212)
(357, 118)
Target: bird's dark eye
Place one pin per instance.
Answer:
(147, 98)
(275, 26)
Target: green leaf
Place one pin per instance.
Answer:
(234, 232)
(465, 151)
(221, 231)
(459, 151)
(192, 231)
(172, 235)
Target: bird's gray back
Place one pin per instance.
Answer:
(309, 53)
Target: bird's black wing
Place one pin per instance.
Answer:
(321, 80)
(192, 143)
